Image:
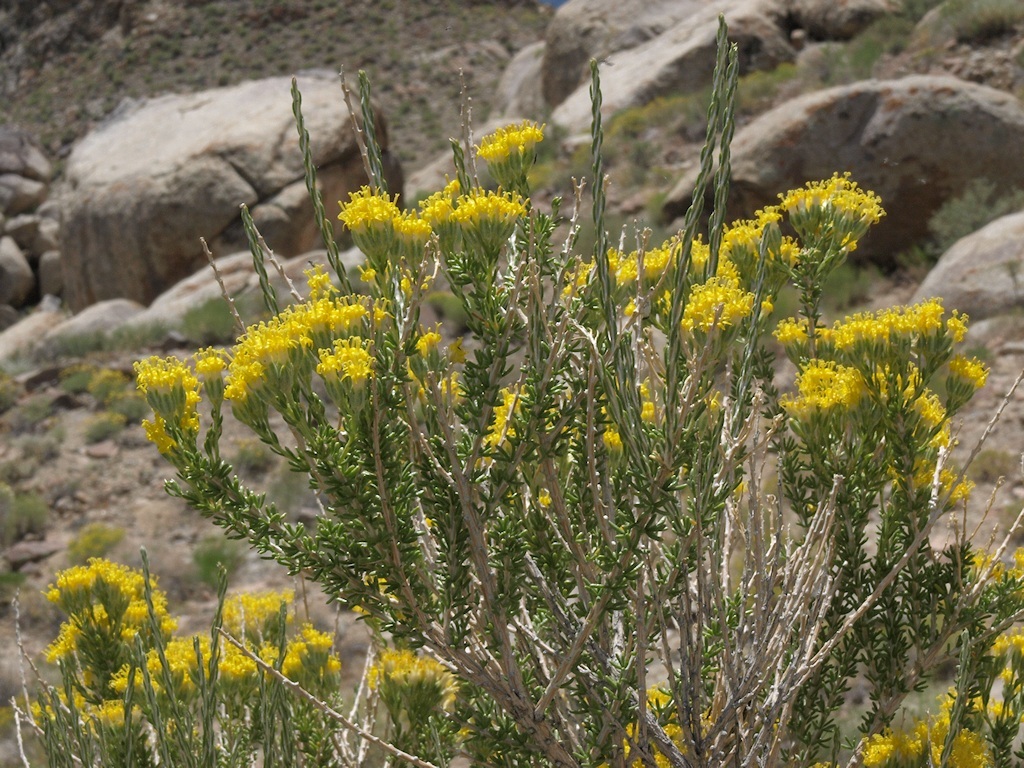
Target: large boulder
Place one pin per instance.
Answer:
(582, 30)
(917, 142)
(20, 155)
(24, 172)
(23, 336)
(519, 90)
(837, 19)
(16, 278)
(170, 309)
(982, 274)
(160, 174)
(682, 59)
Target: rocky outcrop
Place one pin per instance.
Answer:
(916, 141)
(836, 19)
(160, 174)
(658, 47)
(582, 30)
(681, 59)
(24, 335)
(982, 274)
(519, 90)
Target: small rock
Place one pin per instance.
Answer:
(106, 449)
(24, 228)
(47, 236)
(21, 155)
(51, 278)
(25, 552)
(18, 194)
(39, 377)
(16, 278)
(8, 316)
(101, 318)
(25, 334)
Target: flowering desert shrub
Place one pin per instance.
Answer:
(607, 535)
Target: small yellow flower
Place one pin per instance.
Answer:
(501, 424)
(366, 209)
(719, 302)
(969, 369)
(518, 138)
(791, 331)
(428, 342)
(350, 359)
(437, 209)
(824, 385)
(479, 207)
(319, 282)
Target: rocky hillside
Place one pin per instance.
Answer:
(64, 66)
(103, 199)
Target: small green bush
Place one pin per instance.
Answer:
(992, 464)
(21, 514)
(30, 414)
(107, 385)
(94, 540)
(130, 405)
(10, 391)
(210, 323)
(252, 458)
(104, 425)
(76, 378)
(977, 21)
(981, 202)
(213, 553)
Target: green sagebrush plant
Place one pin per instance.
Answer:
(132, 692)
(596, 510)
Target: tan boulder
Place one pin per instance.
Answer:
(582, 30)
(236, 271)
(681, 59)
(916, 141)
(146, 185)
(519, 90)
(837, 19)
(16, 277)
(100, 319)
(981, 274)
(24, 335)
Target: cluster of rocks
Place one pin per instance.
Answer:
(141, 189)
(29, 229)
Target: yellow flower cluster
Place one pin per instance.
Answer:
(884, 326)
(172, 391)
(368, 210)
(310, 657)
(625, 267)
(791, 331)
(479, 208)
(405, 669)
(254, 615)
(517, 138)
(350, 360)
(834, 213)
(970, 370)
(823, 385)
(428, 342)
(104, 599)
(438, 208)
(501, 422)
(294, 331)
(720, 302)
(923, 743)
